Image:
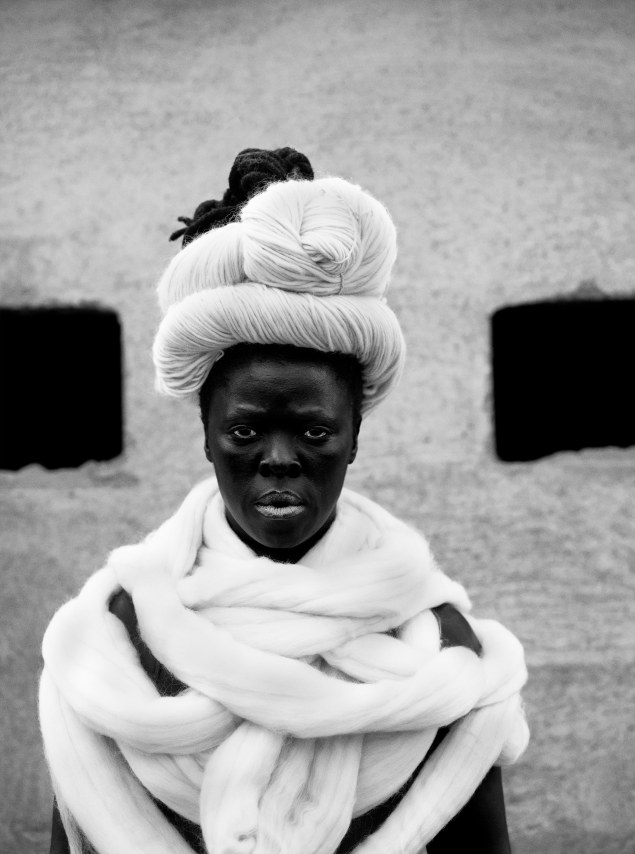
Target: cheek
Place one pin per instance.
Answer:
(233, 473)
(329, 469)
(233, 469)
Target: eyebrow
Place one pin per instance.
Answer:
(251, 410)
(246, 409)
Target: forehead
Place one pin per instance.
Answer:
(275, 384)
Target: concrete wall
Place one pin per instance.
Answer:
(500, 135)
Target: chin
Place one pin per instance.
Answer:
(281, 537)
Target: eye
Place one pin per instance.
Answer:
(243, 433)
(317, 434)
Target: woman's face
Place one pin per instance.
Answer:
(281, 434)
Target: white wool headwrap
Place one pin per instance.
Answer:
(314, 691)
(308, 264)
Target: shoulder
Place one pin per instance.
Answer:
(455, 629)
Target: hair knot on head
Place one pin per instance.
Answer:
(251, 171)
(322, 237)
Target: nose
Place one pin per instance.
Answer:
(279, 458)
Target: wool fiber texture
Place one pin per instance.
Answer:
(308, 264)
(314, 691)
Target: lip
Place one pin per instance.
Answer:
(279, 498)
(280, 504)
(288, 512)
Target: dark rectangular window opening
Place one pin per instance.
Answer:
(60, 386)
(563, 377)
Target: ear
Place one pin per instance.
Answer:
(208, 453)
(355, 440)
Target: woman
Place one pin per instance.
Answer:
(281, 666)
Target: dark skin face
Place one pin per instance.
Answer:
(281, 435)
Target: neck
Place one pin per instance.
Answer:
(290, 554)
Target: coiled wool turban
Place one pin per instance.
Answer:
(307, 264)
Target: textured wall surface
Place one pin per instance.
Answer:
(500, 135)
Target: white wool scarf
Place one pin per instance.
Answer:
(314, 691)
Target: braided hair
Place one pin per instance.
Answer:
(252, 171)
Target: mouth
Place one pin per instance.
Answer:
(279, 505)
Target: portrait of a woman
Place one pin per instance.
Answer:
(282, 667)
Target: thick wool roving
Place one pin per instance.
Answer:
(308, 264)
(315, 690)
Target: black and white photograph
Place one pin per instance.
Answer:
(317, 443)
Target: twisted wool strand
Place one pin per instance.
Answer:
(314, 690)
(308, 264)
